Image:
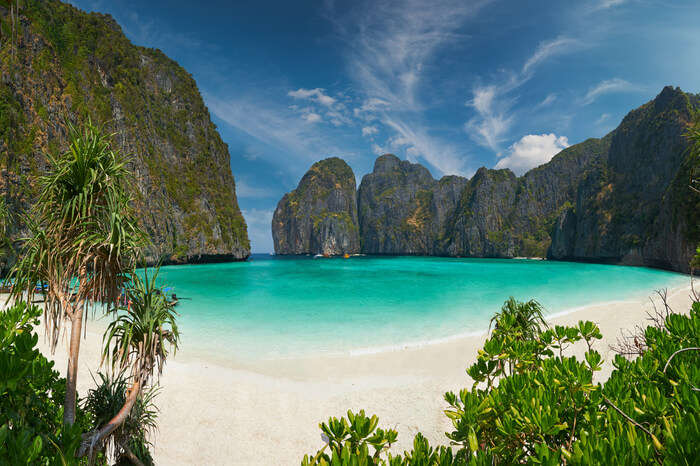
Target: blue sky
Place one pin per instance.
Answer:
(452, 84)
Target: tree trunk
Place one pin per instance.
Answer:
(93, 441)
(72, 373)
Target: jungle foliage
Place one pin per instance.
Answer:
(530, 403)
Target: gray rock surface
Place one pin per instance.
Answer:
(623, 198)
(320, 215)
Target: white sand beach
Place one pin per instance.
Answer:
(214, 414)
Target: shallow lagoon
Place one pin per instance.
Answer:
(272, 307)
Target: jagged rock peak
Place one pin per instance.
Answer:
(320, 215)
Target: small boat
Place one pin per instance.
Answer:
(319, 256)
(173, 300)
(346, 256)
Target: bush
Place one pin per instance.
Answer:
(131, 438)
(31, 397)
(531, 404)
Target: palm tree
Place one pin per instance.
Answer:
(130, 440)
(137, 342)
(83, 243)
(521, 320)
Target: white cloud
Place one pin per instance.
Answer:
(547, 101)
(259, 222)
(491, 123)
(603, 118)
(390, 44)
(492, 105)
(378, 150)
(605, 4)
(370, 106)
(250, 153)
(369, 130)
(607, 87)
(272, 124)
(531, 151)
(311, 117)
(317, 95)
(418, 143)
(548, 49)
(390, 49)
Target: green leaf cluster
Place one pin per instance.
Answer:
(31, 396)
(530, 403)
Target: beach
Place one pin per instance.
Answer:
(268, 413)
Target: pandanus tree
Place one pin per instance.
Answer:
(137, 342)
(83, 242)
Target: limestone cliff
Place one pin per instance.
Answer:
(634, 205)
(402, 209)
(623, 198)
(62, 65)
(320, 215)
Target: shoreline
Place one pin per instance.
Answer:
(268, 412)
(254, 365)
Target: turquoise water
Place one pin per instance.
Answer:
(287, 307)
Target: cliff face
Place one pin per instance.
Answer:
(63, 65)
(480, 224)
(634, 206)
(320, 215)
(623, 198)
(403, 209)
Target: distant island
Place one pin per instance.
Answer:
(618, 199)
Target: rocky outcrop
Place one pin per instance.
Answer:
(402, 209)
(480, 225)
(65, 66)
(320, 215)
(634, 205)
(623, 198)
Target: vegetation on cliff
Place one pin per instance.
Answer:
(633, 205)
(63, 66)
(622, 198)
(320, 215)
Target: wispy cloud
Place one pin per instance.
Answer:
(547, 101)
(390, 48)
(604, 118)
(606, 4)
(417, 143)
(273, 124)
(369, 131)
(311, 117)
(493, 104)
(491, 122)
(369, 108)
(549, 49)
(391, 43)
(607, 87)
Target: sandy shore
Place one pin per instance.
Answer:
(269, 414)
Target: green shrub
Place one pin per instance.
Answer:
(31, 397)
(104, 402)
(531, 404)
